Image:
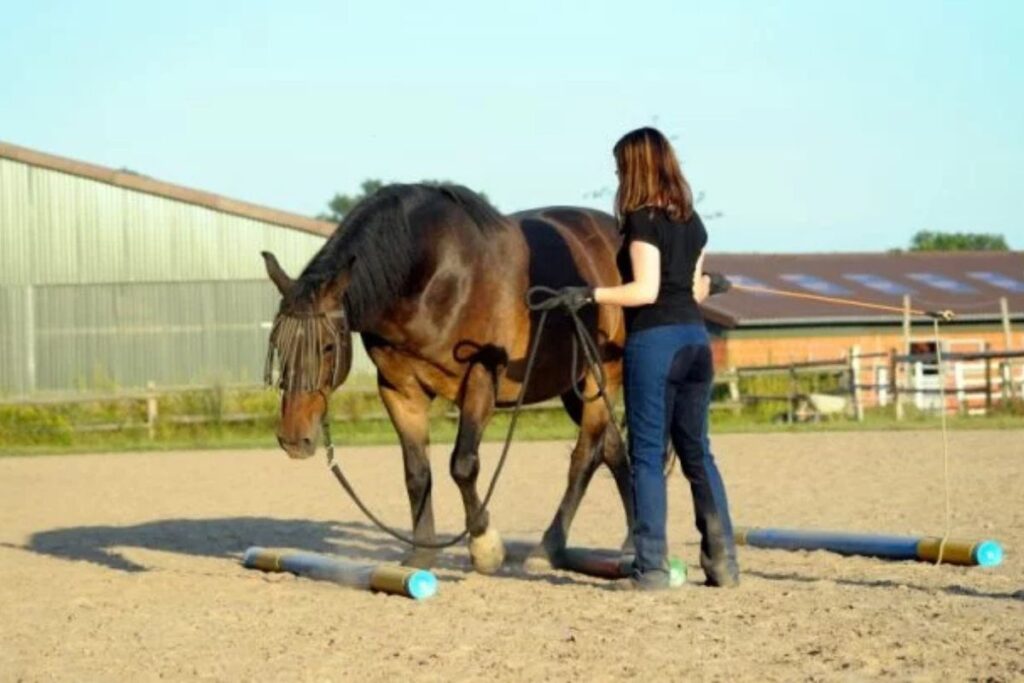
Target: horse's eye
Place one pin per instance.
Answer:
(329, 348)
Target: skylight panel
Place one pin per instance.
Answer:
(815, 284)
(942, 282)
(744, 281)
(998, 280)
(747, 281)
(879, 283)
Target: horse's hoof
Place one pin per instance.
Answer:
(487, 551)
(538, 562)
(420, 558)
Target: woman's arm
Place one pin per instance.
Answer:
(701, 282)
(643, 290)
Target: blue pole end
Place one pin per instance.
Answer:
(422, 584)
(988, 554)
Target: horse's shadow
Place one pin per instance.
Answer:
(217, 538)
(229, 537)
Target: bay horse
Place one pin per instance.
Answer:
(435, 281)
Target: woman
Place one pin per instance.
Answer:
(668, 367)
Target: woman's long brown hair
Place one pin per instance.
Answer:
(649, 176)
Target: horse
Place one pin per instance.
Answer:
(435, 281)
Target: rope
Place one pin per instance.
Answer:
(945, 315)
(590, 352)
(936, 316)
(945, 444)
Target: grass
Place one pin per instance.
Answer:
(533, 425)
(56, 429)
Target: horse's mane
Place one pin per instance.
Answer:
(380, 244)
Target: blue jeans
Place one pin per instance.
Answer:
(668, 374)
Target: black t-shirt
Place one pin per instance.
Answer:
(680, 244)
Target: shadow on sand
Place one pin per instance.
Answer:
(953, 589)
(229, 537)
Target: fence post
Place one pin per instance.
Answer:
(734, 391)
(894, 385)
(792, 394)
(958, 384)
(151, 409)
(1007, 374)
(1005, 383)
(858, 407)
(988, 381)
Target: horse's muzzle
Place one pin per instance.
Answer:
(300, 449)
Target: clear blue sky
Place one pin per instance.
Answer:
(813, 126)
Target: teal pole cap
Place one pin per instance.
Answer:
(421, 585)
(988, 554)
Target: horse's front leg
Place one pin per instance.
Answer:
(476, 407)
(408, 408)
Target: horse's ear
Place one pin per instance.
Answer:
(277, 274)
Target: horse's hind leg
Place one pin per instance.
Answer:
(476, 407)
(408, 408)
(615, 457)
(586, 458)
(614, 454)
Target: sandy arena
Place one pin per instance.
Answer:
(125, 567)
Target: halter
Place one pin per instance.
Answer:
(298, 340)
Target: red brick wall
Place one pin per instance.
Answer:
(732, 352)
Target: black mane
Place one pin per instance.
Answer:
(380, 244)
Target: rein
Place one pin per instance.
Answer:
(590, 352)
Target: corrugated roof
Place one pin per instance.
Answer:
(968, 283)
(141, 183)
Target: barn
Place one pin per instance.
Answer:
(985, 290)
(111, 279)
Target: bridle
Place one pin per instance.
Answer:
(298, 340)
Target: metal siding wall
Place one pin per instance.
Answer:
(61, 229)
(14, 223)
(14, 376)
(174, 334)
(129, 287)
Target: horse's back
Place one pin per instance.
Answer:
(569, 246)
(566, 247)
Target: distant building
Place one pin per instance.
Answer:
(756, 328)
(113, 279)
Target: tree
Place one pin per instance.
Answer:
(926, 240)
(341, 204)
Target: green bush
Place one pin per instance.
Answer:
(34, 425)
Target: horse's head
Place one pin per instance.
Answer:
(313, 345)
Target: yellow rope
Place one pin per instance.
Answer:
(945, 442)
(945, 315)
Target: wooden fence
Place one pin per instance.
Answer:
(854, 383)
(971, 382)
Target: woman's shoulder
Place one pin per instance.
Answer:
(644, 223)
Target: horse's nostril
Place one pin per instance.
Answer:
(307, 445)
